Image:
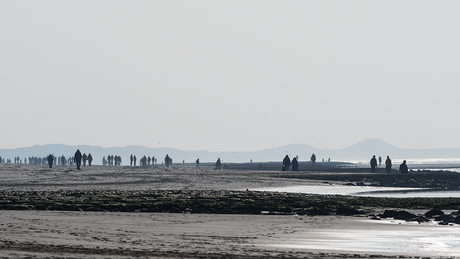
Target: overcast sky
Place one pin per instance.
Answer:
(229, 75)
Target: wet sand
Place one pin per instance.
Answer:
(46, 234)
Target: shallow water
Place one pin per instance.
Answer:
(428, 241)
(369, 191)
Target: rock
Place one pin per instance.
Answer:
(402, 214)
(360, 184)
(446, 218)
(457, 220)
(434, 212)
(348, 211)
(420, 219)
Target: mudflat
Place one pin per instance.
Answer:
(104, 234)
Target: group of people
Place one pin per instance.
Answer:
(51, 159)
(288, 163)
(402, 167)
(144, 161)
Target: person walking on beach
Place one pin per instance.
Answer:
(403, 168)
(167, 160)
(85, 157)
(50, 160)
(313, 159)
(295, 164)
(388, 164)
(218, 164)
(131, 157)
(197, 163)
(90, 159)
(286, 162)
(77, 158)
(373, 164)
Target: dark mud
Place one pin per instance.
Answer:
(442, 180)
(212, 202)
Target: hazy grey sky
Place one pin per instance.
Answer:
(229, 75)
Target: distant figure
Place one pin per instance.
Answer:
(380, 161)
(295, 164)
(218, 164)
(77, 158)
(85, 157)
(197, 163)
(388, 164)
(134, 158)
(131, 158)
(403, 168)
(286, 162)
(90, 159)
(50, 160)
(167, 160)
(373, 164)
(313, 159)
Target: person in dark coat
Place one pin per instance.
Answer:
(373, 164)
(167, 160)
(403, 168)
(85, 157)
(313, 159)
(295, 164)
(50, 160)
(286, 162)
(218, 164)
(197, 163)
(388, 164)
(77, 158)
(90, 159)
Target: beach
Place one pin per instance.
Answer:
(101, 234)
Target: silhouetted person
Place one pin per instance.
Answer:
(380, 161)
(286, 162)
(373, 164)
(403, 168)
(77, 158)
(313, 159)
(218, 164)
(50, 160)
(90, 159)
(85, 157)
(388, 164)
(167, 160)
(295, 164)
(134, 158)
(131, 159)
(197, 163)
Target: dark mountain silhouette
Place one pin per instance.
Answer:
(361, 151)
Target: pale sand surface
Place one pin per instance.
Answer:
(44, 234)
(35, 178)
(85, 234)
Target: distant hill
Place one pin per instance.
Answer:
(361, 151)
